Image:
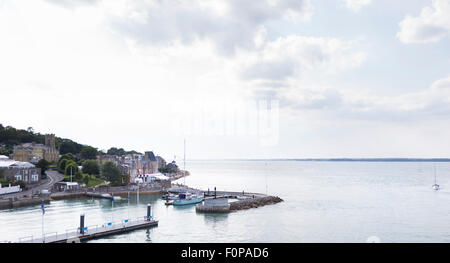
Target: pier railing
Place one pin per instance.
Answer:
(74, 233)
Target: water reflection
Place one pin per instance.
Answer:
(147, 235)
(213, 219)
(184, 207)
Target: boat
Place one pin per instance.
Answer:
(169, 197)
(242, 197)
(117, 198)
(435, 186)
(188, 199)
(10, 189)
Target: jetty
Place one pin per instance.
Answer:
(217, 201)
(84, 233)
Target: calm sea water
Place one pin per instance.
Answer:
(324, 202)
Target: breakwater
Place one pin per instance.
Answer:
(254, 202)
(217, 201)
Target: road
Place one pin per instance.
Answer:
(52, 178)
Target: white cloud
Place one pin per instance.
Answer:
(130, 70)
(295, 69)
(228, 24)
(356, 5)
(292, 56)
(432, 103)
(432, 25)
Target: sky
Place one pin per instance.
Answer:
(235, 79)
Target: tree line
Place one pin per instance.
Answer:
(10, 136)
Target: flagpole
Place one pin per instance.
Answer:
(43, 212)
(43, 228)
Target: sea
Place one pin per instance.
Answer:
(324, 201)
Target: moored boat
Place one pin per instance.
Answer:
(186, 199)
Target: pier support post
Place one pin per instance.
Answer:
(215, 194)
(81, 224)
(149, 211)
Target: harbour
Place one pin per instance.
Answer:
(84, 233)
(355, 201)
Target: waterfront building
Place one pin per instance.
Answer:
(20, 171)
(102, 159)
(161, 161)
(150, 163)
(66, 186)
(33, 152)
(135, 164)
(148, 178)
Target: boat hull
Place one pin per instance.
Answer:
(188, 201)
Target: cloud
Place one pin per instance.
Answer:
(356, 5)
(229, 24)
(292, 56)
(428, 104)
(432, 25)
(73, 3)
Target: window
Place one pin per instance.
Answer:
(34, 177)
(18, 177)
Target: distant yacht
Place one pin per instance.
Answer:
(435, 185)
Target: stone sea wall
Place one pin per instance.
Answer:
(254, 202)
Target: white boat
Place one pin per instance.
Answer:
(435, 186)
(118, 198)
(170, 197)
(10, 189)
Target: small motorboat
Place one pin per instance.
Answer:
(188, 199)
(117, 198)
(169, 197)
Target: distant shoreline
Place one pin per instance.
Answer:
(337, 160)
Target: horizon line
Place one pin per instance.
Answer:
(343, 159)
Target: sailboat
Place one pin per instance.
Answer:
(187, 198)
(435, 185)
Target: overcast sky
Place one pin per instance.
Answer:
(341, 78)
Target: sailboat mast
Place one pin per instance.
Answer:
(434, 173)
(184, 163)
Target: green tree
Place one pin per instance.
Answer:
(43, 164)
(88, 153)
(111, 172)
(62, 165)
(86, 180)
(22, 184)
(69, 146)
(71, 165)
(115, 151)
(68, 156)
(91, 167)
(62, 162)
(78, 176)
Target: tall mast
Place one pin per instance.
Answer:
(184, 162)
(434, 173)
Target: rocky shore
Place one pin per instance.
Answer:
(254, 202)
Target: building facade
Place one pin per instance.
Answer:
(33, 152)
(150, 163)
(20, 171)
